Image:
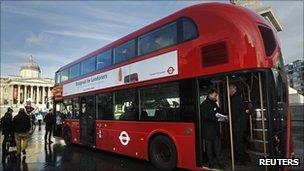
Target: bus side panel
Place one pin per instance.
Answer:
(102, 137)
(75, 130)
(132, 139)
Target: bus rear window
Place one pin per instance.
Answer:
(64, 75)
(189, 29)
(268, 40)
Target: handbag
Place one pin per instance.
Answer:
(12, 149)
(11, 144)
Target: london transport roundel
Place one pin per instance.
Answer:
(124, 138)
(170, 70)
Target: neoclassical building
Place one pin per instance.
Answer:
(28, 86)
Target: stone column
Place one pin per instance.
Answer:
(35, 94)
(23, 96)
(32, 92)
(38, 95)
(18, 95)
(12, 91)
(49, 92)
(43, 95)
(25, 93)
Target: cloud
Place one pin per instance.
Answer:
(22, 55)
(39, 40)
(93, 24)
(48, 62)
(9, 68)
(83, 34)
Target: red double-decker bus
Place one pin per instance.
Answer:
(140, 96)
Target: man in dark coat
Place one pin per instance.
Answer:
(22, 126)
(49, 120)
(210, 126)
(238, 123)
(7, 130)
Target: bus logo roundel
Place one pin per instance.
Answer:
(124, 138)
(170, 70)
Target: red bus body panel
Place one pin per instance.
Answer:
(108, 132)
(140, 134)
(73, 125)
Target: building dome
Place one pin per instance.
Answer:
(30, 69)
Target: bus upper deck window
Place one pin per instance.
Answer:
(104, 59)
(124, 51)
(88, 65)
(75, 71)
(157, 39)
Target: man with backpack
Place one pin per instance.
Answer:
(22, 126)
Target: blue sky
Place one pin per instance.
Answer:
(57, 33)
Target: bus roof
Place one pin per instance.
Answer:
(210, 8)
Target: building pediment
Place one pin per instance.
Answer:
(32, 81)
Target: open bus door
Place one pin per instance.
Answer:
(87, 120)
(57, 130)
(254, 89)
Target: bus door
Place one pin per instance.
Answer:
(87, 120)
(254, 139)
(252, 88)
(57, 132)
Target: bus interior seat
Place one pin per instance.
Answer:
(144, 115)
(160, 114)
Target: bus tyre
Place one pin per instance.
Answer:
(162, 153)
(67, 136)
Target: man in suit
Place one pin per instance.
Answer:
(211, 133)
(239, 124)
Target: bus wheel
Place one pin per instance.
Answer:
(162, 153)
(67, 136)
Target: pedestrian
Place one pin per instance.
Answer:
(7, 130)
(39, 118)
(49, 120)
(239, 124)
(211, 133)
(22, 126)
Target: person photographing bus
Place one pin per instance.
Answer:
(239, 123)
(211, 115)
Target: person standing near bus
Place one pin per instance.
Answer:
(22, 126)
(211, 132)
(7, 130)
(50, 121)
(238, 123)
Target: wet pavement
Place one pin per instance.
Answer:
(58, 156)
(298, 142)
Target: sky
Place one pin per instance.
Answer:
(56, 33)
